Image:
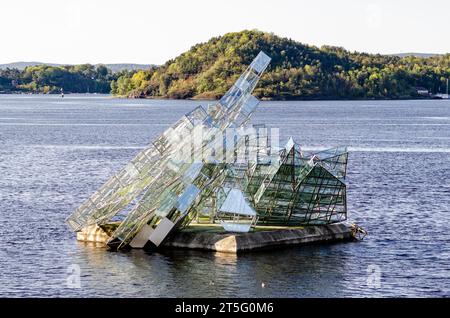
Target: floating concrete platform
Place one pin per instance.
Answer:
(261, 238)
(213, 238)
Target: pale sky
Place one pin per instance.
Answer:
(151, 32)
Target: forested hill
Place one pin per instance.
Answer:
(297, 71)
(84, 78)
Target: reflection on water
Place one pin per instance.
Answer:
(55, 152)
(176, 273)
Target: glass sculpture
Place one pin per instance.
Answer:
(213, 166)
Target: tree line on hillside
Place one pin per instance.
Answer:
(297, 71)
(85, 78)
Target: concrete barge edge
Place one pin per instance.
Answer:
(242, 242)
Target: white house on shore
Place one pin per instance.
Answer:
(423, 91)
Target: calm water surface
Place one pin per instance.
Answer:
(55, 152)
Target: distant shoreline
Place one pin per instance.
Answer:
(208, 99)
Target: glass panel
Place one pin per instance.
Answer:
(188, 196)
(260, 63)
(231, 97)
(197, 116)
(236, 203)
(192, 172)
(235, 227)
(250, 105)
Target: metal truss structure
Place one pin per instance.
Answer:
(206, 166)
(293, 189)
